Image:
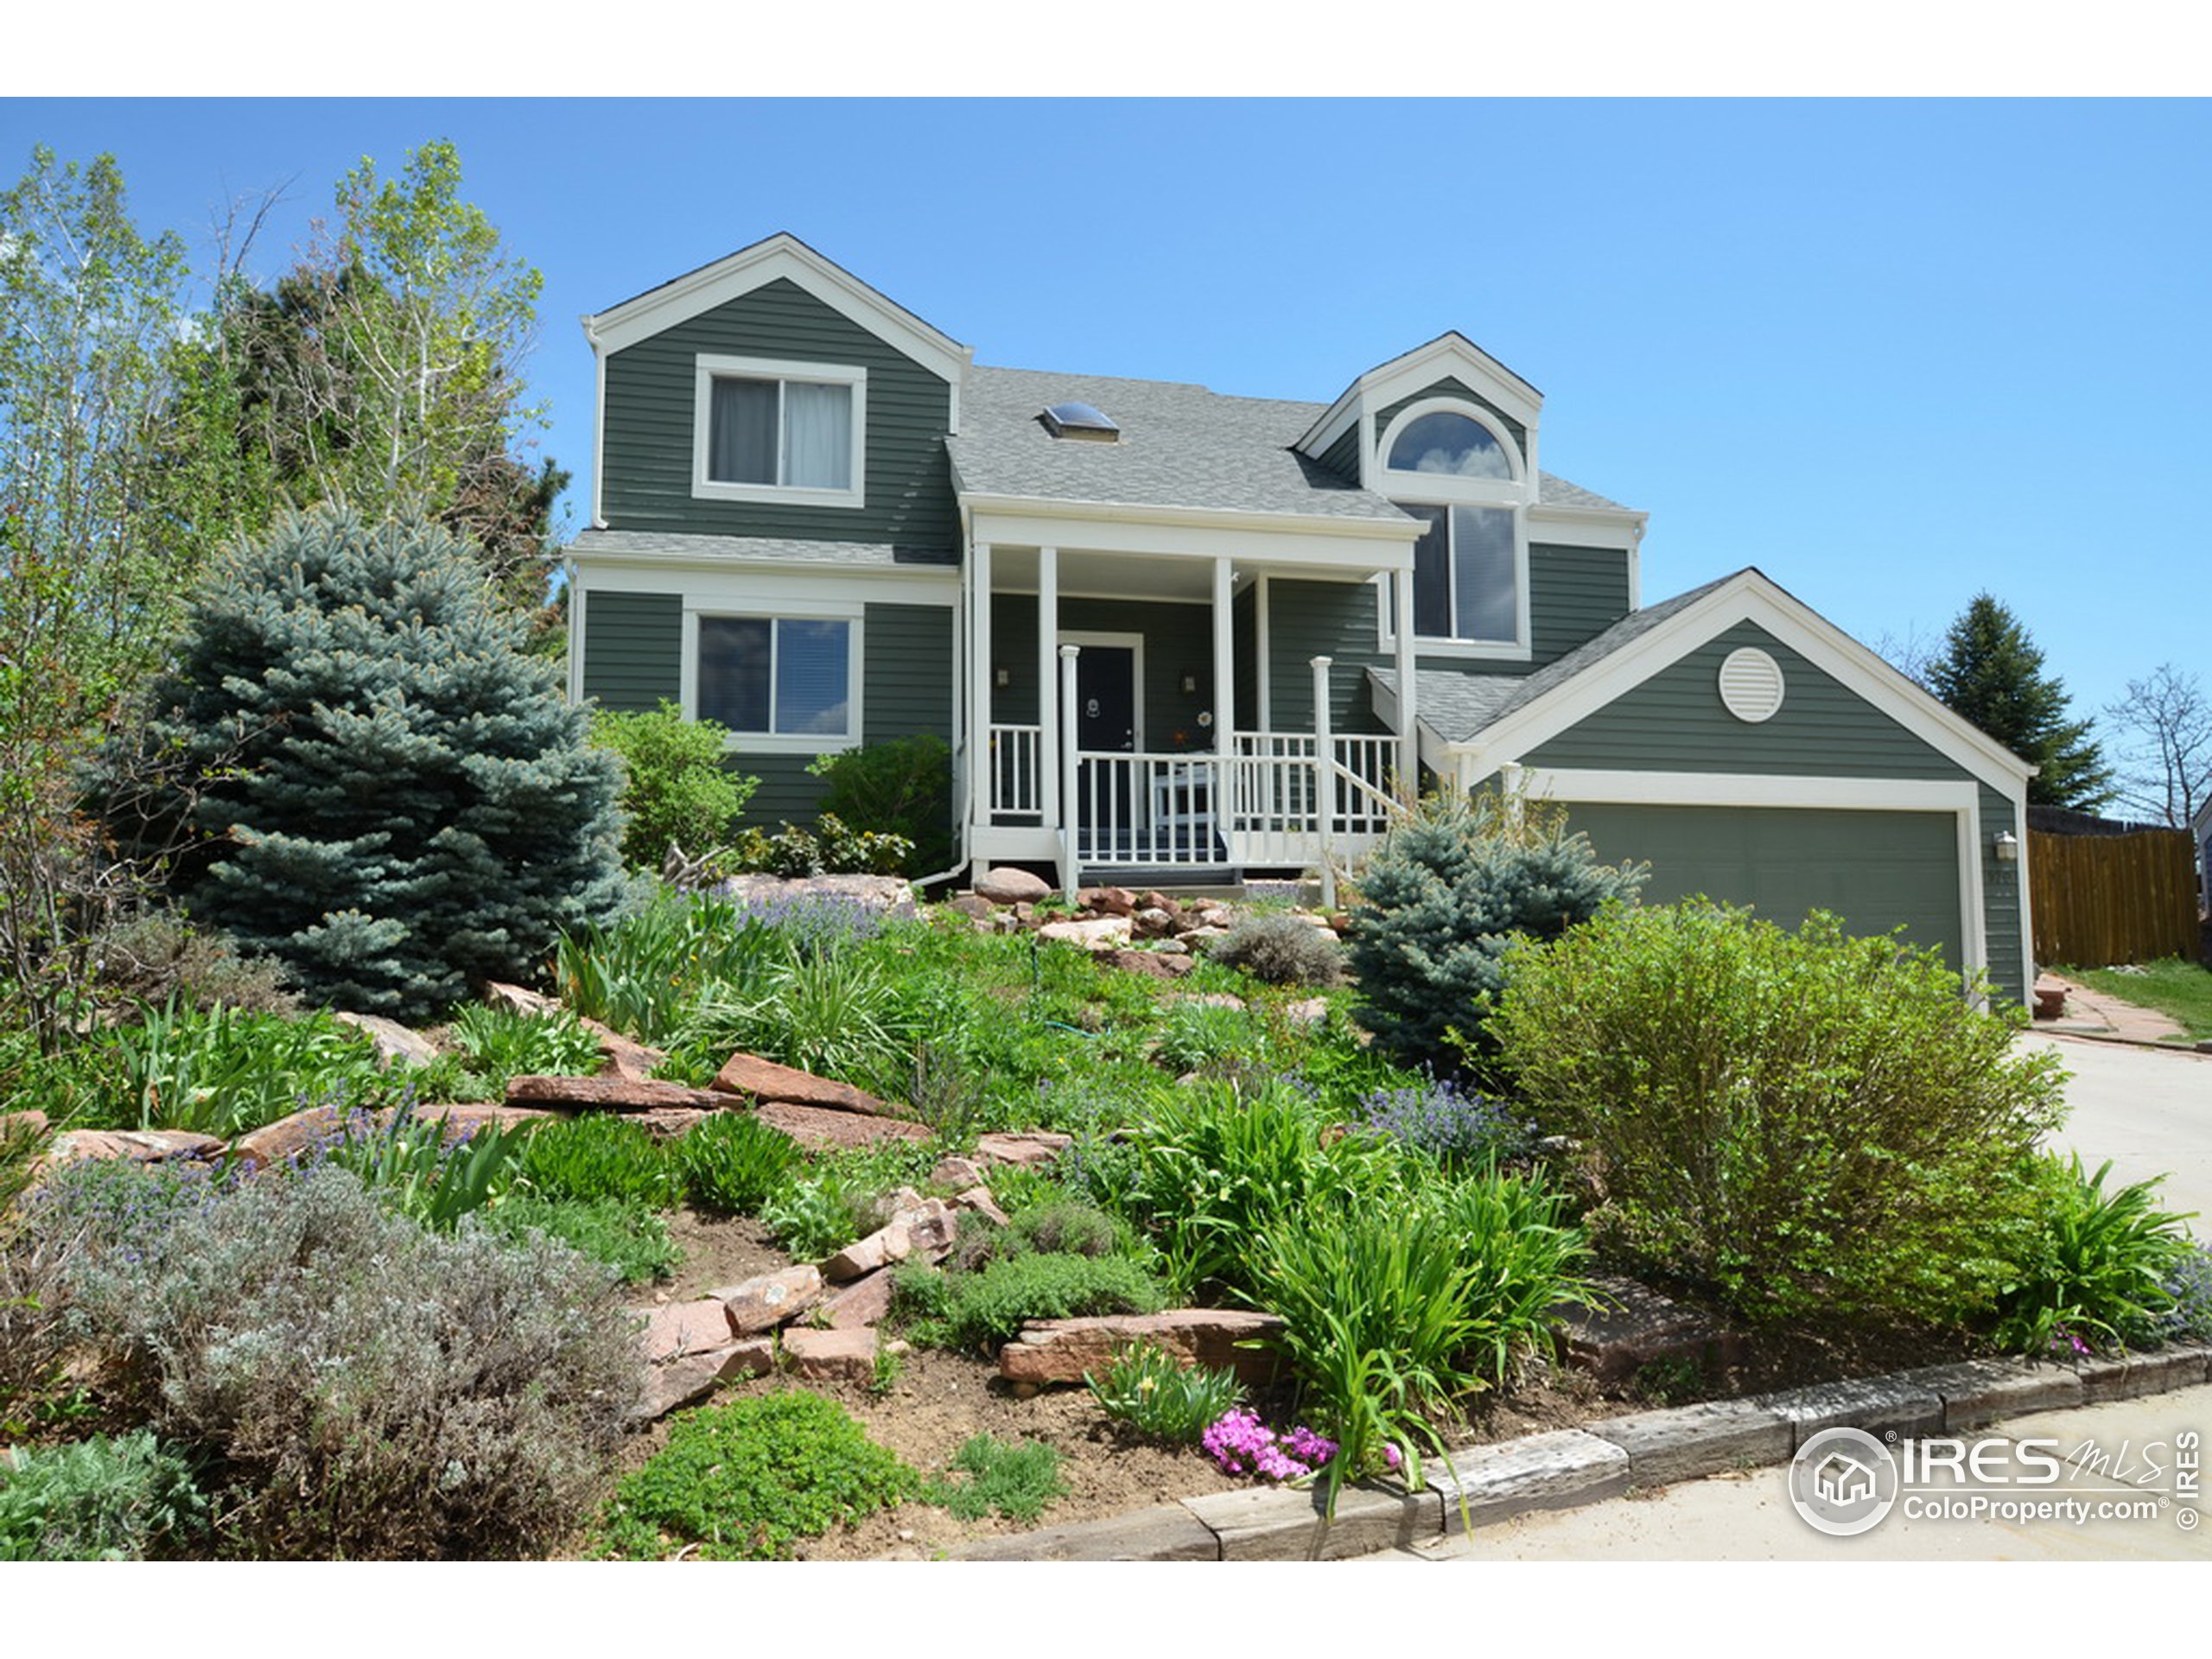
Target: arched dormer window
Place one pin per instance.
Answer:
(1446, 443)
(1447, 464)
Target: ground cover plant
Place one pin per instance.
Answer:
(102, 1499)
(627, 1237)
(751, 1480)
(988, 1477)
(2180, 990)
(1807, 1123)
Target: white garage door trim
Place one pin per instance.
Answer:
(1959, 798)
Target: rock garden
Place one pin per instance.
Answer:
(407, 1179)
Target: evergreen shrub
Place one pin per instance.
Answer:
(1443, 895)
(399, 800)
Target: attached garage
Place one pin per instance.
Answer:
(1878, 870)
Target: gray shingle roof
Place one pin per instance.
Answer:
(646, 543)
(1181, 446)
(1456, 707)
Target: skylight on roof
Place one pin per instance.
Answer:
(1080, 421)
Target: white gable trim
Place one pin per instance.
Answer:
(781, 257)
(1747, 596)
(1450, 355)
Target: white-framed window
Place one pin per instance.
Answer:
(778, 682)
(764, 429)
(1454, 466)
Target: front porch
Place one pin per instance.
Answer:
(1125, 704)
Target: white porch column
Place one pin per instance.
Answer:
(979, 684)
(1324, 779)
(1070, 870)
(1225, 674)
(1048, 645)
(1408, 711)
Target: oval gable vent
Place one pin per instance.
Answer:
(1751, 684)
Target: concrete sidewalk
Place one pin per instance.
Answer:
(2149, 1111)
(1748, 1516)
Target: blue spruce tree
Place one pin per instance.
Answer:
(400, 802)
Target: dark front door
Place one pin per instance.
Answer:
(1105, 723)
(1106, 699)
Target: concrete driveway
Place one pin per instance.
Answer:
(2149, 1111)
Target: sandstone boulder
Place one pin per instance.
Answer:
(863, 1302)
(520, 999)
(680, 1328)
(680, 1381)
(1007, 885)
(820, 1127)
(749, 1074)
(139, 1146)
(846, 1356)
(769, 1300)
(395, 1043)
(1061, 1350)
(620, 1057)
(608, 1094)
(1096, 933)
(1035, 1146)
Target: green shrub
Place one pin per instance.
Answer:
(1442, 894)
(1283, 950)
(627, 1237)
(225, 1072)
(675, 788)
(748, 1481)
(831, 848)
(369, 1389)
(1210, 1166)
(415, 1168)
(1159, 1395)
(153, 958)
(820, 1215)
(504, 1043)
(1197, 1036)
(834, 1014)
(982, 1309)
(2095, 1264)
(1014, 1481)
(399, 800)
(600, 1156)
(641, 973)
(901, 787)
(732, 1162)
(98, 1500)
(1806, 1122)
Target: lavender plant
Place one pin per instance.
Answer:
(1459, 1128)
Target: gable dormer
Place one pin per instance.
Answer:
(773, 394)
(1448, 433)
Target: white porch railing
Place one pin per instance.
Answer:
(1261, 806)
(1017, 778)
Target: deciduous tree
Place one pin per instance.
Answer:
(2165, 720)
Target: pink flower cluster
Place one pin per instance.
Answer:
(1242, 1445)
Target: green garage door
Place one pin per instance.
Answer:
(1877, 870)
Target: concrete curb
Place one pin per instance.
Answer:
(1569, 1468)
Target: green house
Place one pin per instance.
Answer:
(1174, 635)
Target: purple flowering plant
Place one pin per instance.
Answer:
(1241, 1444)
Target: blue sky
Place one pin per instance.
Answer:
(1892, 354)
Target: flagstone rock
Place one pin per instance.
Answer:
(822, 1129)
(608, 1094)
(688, 1377)
(1061, 1350)
(866, 1302)
(1152, 964)
(769, 1300)
(396, 1045)
(749, 1074)
(520, 999)
(979, 1199)
(621, 1056)
(138, 1146)
(957, 1171)
(680, 1328)
(1032, 1148)
(1108, 902)
(846, 1356)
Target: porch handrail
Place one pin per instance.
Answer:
(1017, 760)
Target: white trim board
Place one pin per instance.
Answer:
(782, 257)
(1749, 596)
(1451, 355)
(722, 582)
(1960, 799)
(707, 368)
(1133, 643)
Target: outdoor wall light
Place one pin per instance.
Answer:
(1003, 677)
(2007, 846)
(1190, 683)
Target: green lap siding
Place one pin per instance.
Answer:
(1574, 593)
(906, 679)
(1675, 721)
(633, 649)
(1877, 870)
(652, 390)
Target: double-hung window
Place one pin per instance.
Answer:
(1462, 478)
(778, 681)
(769, 430)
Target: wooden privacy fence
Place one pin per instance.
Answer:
(2103, 900)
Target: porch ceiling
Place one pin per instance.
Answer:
(1108, 576)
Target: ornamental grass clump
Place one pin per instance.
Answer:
(2093, 1262)
(1160, 1396)
(1807, 1123)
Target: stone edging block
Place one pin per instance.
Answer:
(1168, 1532)
(1562, 1470)
(1276, 1523)
(1688, 1442)
(1879, 1405)
(1978, 1391)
